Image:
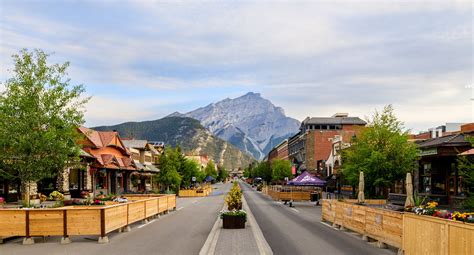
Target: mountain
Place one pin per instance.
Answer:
(189, 134)
(249, 122)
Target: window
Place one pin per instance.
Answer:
(426, 184)
(427, 168)
(332, 127)
(2, 188)
(101, 180)
(438, 185)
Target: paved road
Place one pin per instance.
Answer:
(298, 230)
(180, 232)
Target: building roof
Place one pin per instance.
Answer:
(334, 121)
(467, 153)
(448, 140)
(137, 144)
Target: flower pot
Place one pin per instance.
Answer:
(233, 222)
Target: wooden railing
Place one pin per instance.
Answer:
(383, 225)
(201, 192)
(431, 235)
(411, 233)
(82, 220)
(278, 193)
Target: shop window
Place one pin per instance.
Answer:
(74, 179)
(427, 168)
(101, 180)
(426, 184)
(438, 185)
(2, 188)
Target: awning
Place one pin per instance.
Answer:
(152, 168)
(306, 179)
(467, 153)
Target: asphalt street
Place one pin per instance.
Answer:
(181, 232)
(298, 230)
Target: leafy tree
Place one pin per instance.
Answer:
(169, 175)
(281, 169)
(223, 173)
(40, 112)
(466, 167)
(382, 151)
(210, 169)
(263, 170)
(188, 170)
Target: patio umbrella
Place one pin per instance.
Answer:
(409, 186)
(360, 196)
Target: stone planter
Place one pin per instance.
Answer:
(233, 222)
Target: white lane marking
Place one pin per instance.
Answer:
(326, 224)
(294, 210)
(194, 201)
(141, 226)
(179, 208)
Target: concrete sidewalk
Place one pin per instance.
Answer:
(249, 240)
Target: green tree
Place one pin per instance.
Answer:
(466, 169)
(169, 175)
(382, 151)
(263, 170)
(223, 173)
(40, 112)
(281, 169)
(189, 169)
(210, 169)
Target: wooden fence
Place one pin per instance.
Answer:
(383, 225)
(287, 193)
(81, 220)
(414, 234)
(202, 192)
(431, 235)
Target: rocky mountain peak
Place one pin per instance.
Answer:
(250, 122)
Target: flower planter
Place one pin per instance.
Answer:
(233, 221)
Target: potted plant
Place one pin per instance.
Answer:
(234, 217)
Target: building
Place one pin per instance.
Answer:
(311, 147)
(201, 159)
(282, 150)
(145, 158)
(113, 164)
(438, 175)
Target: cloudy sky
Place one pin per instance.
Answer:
(142, 60)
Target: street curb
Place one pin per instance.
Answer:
(209, 246)
(262, 244)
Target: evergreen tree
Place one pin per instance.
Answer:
(210, 169)
(466, 167)
(169, 176)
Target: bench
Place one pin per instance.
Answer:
(396, 202)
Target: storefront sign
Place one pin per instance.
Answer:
(429, 152)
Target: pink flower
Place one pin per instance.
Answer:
(2, 200)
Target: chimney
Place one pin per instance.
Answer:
(340, 115)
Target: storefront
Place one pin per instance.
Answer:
(438, 174)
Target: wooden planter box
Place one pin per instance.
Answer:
(233, 222)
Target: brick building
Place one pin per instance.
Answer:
(310, 148)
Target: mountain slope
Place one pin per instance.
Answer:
(189, 134)
(249, 122)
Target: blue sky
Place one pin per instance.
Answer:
(142, 60)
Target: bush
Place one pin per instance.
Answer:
(234, 198)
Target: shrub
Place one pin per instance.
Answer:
(234, 198)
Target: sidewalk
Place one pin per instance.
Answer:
(249, 240)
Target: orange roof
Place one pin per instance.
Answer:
(102, 139)
(468, 152)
